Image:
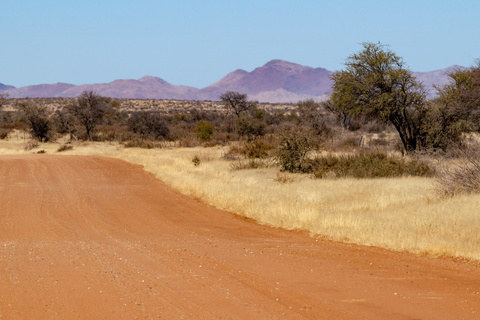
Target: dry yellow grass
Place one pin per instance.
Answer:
(400, 214)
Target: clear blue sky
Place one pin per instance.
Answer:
(196, 43)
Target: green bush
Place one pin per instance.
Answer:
(149, 125)
(293, 147)
(250, 128)
(196, 161)
(368, 165)
(204, 131)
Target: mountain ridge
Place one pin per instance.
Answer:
(276, 81)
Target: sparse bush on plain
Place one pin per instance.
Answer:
(64, 147)
(196, 161)
(293, 146)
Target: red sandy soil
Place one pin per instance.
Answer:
(97, 238)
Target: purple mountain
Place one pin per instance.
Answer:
(276, 81)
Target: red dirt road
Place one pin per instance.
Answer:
(97, 238)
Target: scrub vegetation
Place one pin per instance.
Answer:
(376, 164)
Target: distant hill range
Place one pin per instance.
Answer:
(276, 81)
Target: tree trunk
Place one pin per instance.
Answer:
(406, 133)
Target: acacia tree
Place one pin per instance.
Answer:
(236, 103)
(89, 109)
(249, 119)
(460, 99)
(375, 85)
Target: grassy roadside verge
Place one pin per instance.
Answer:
(399, 213)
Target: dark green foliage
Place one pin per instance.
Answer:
(456, 110)
(250, 128)
(196, 161)
(37, 121)
(149, 125)
(442, 129)
(204, 131)
(461, 98)
(367, 165)
(376, 86)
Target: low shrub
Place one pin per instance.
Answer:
(250, 128)
(367, 165)
(256, 149)
(64, 147)
(204, 131)
(196, 161)
(294, 144)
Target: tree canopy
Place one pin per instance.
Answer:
(89, 109)
(376, 86)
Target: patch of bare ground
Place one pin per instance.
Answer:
(97, 238)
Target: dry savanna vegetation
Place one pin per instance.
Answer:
(376, 164)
